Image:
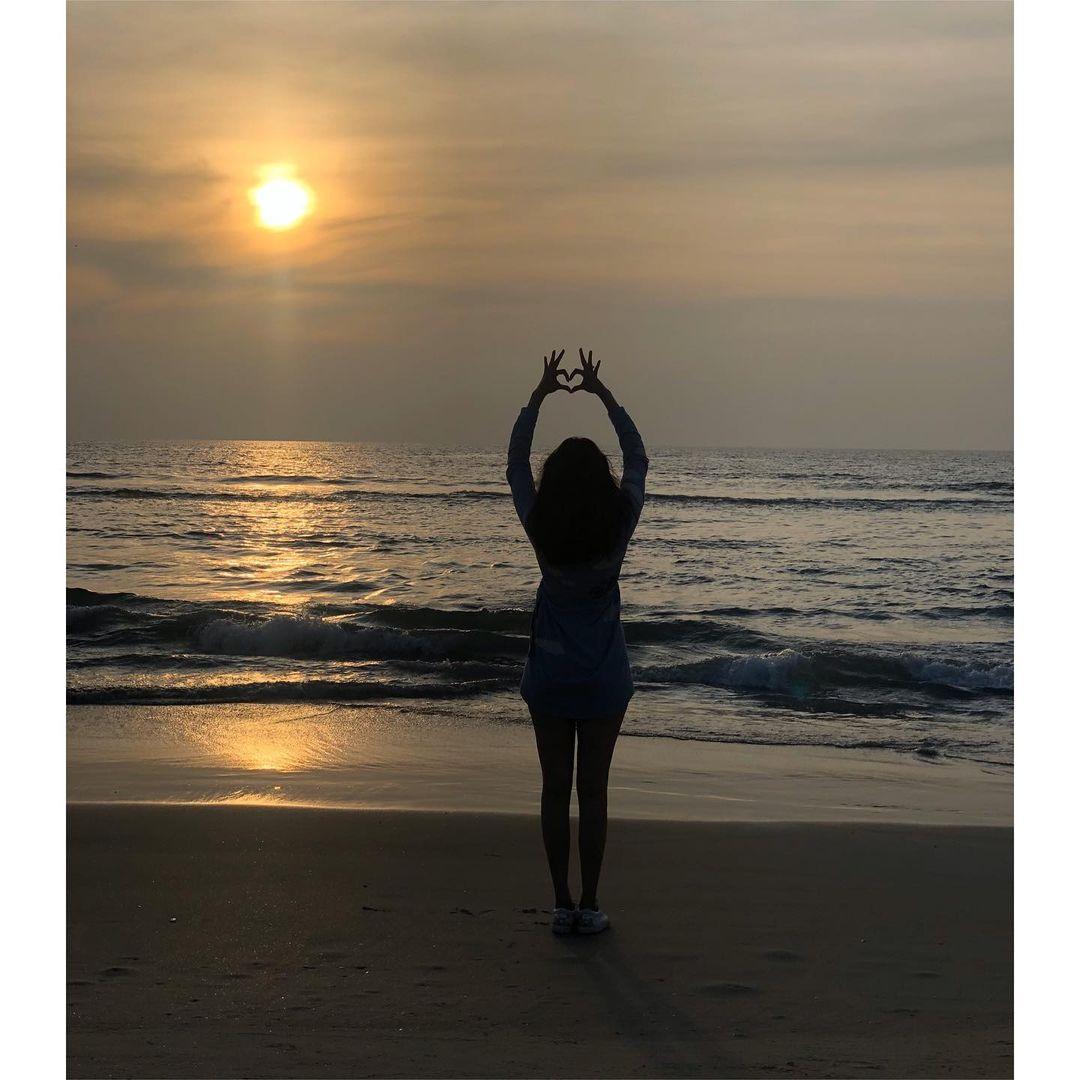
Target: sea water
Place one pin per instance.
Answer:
(803, 597)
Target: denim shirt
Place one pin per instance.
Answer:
(577, 665)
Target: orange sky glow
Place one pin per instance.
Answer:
(780, 224)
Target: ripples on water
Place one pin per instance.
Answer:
(857, 598)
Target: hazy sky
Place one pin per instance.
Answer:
(776, 223)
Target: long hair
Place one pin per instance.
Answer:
(580, 509)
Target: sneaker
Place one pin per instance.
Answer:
(563, 920)
(590, 921)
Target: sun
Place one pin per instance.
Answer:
(281, 202)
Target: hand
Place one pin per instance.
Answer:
(590, 375)
(549, 381)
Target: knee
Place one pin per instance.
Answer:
(592, 790)
(556, 789)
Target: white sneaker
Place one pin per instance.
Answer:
(562, 920)
(591, 922)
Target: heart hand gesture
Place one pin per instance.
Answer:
(590, 379)
(590, 374)
(549, 381)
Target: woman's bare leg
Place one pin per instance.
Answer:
(555, 746)
(596, 744)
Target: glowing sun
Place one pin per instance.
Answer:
(281, 202)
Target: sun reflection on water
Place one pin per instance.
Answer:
(264, 743)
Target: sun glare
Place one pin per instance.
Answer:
(281, 202)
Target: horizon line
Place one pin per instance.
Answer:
(69, 442)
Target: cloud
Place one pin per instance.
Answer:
(489, 171)
(111, 174)
(141, 264)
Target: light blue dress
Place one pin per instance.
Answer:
(577, 666)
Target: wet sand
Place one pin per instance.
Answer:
(381, 758)
(252, 941)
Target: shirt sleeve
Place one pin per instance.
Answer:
(635, 461)
(518, 469)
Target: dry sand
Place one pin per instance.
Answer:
(245, 941)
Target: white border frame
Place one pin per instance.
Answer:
(1047, 243)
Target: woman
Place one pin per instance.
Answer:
(577, 677)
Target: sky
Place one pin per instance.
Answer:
(776, 224)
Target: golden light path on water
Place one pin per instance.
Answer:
(276, 559)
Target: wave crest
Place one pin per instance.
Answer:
(791, 671)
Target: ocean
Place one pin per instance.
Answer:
(856, 599)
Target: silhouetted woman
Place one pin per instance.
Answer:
(577, 677)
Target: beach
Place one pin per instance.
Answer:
(253, 941)
(253, 904)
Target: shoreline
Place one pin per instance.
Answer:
(221, 941)
(301, 807)
(399, 758)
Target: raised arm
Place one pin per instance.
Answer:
(518, 468)
(635, 460)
